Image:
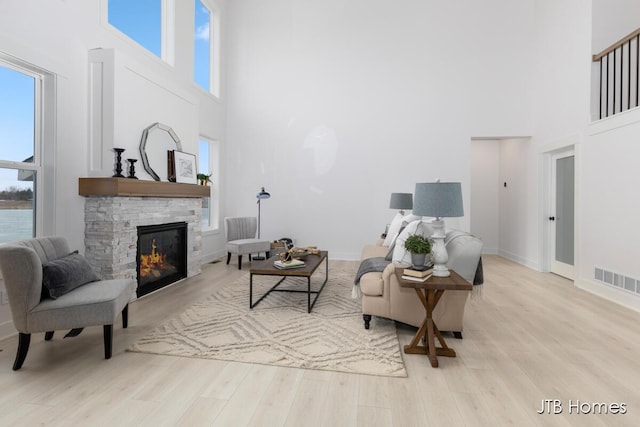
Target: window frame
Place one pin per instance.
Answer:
(167, 31)
(43, 154)
(214, 47)
(214, 169)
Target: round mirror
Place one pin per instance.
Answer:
(157, 140)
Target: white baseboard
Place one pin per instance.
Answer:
(344, 256)
(209, 258)
(7, 330)
(609, 293)
(490, 251)
(520, 260)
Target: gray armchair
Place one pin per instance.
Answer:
(240, 233)
(92, 304)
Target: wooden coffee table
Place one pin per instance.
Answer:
(266, 268)
(430, 293)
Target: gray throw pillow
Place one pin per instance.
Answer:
(65, 274)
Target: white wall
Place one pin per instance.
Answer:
(334, 105)
(485, 193)
(612, 202)
(518, 205)
(610, 205)
(562, 87)
(612, 20)
(562, 69)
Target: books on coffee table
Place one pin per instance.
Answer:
(294, 263)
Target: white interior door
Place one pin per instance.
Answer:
(561, 218)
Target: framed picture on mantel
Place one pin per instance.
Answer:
(185, 167)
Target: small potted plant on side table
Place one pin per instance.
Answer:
(203, 178)
(419, 246)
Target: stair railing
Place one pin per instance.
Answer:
(619, 78)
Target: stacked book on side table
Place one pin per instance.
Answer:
(417, 275)
(294, 263)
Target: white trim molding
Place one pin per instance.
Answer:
(612, 294)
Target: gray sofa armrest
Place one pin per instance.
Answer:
(464, 253)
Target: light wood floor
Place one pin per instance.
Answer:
(533, 336)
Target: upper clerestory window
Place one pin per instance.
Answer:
(147, 22)
(206, 47)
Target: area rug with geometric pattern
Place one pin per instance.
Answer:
(279, 331)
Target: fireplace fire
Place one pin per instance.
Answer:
(161, 256)
(153, 265)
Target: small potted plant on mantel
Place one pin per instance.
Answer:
(419, 246)
(203, 178)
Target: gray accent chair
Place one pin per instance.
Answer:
(240, 233)
(93, 304)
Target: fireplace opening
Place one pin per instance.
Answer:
(162, 256)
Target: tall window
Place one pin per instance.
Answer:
(19, 157)
(208, 155)
(202, 47)
(206, 48)
(148, 22)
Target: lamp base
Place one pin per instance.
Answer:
(441, 271)
(439, 251)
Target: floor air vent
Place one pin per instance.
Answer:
(617, 280)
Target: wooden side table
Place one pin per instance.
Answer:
(430, 293)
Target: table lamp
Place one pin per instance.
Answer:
(439, 200)
(401, 201)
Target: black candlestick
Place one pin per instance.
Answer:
(118, 169)
(132, 168)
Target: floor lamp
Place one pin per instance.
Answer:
(260, 196)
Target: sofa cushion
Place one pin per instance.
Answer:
(94, 304)
(248, 246)
(65, 274)
(400, 254)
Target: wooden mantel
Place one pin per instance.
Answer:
(114, 187)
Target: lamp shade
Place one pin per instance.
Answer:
(263, 194)
(401, 201)
(438, 199)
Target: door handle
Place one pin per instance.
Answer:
(552, 218)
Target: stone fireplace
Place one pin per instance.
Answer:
(112, 220)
